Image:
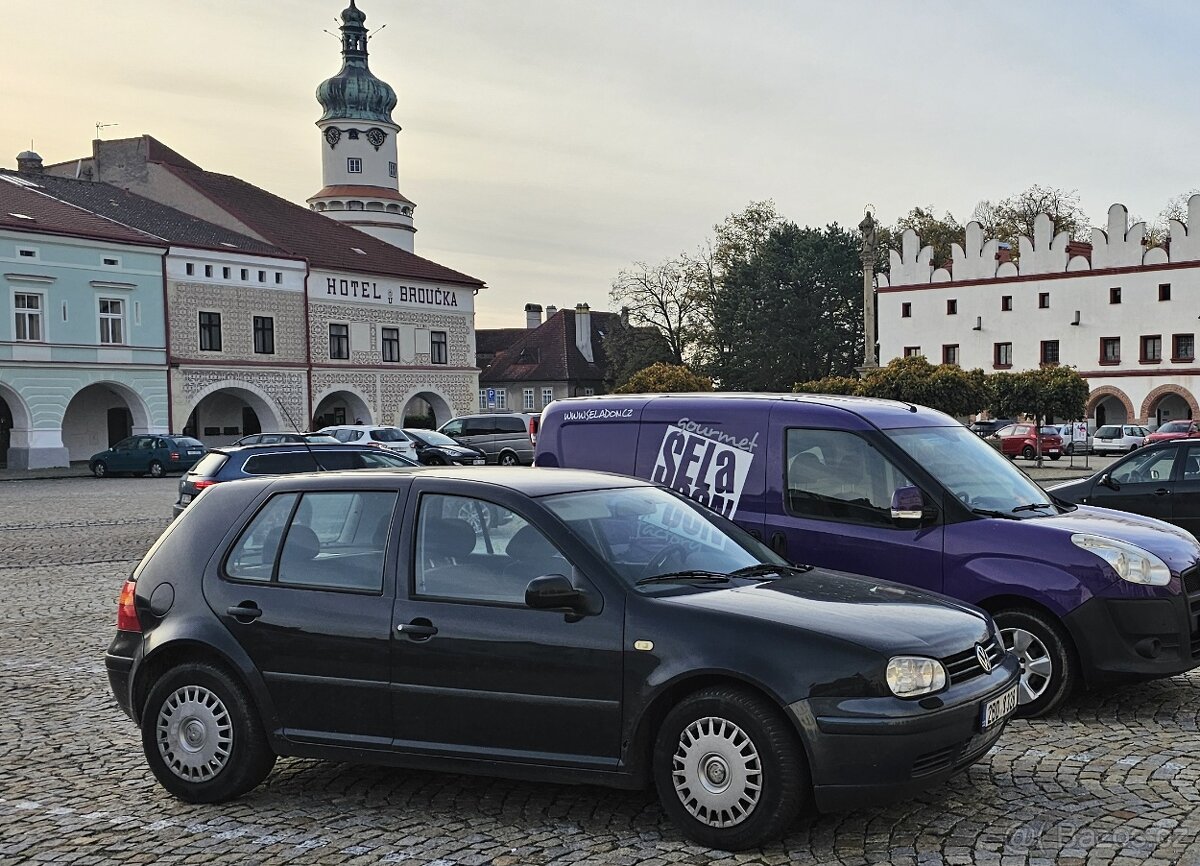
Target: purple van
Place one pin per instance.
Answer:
(899, 492)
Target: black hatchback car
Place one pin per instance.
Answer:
(609, 632)
(285, 458)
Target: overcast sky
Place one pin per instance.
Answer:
(549, 143)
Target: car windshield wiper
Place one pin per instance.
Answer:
(988, 512)
(1033, 506)
(766, 568)
(692, 574)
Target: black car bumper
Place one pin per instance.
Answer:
(871, 750)
(1136, 638)
(119, 661)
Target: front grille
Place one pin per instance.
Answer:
(964, 666)
(1191, 580)
(933, 762)
(1191, 588)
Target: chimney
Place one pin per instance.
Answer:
(1003, 253)
(583, 331)
(29, 162)
(533, 315)
(1079, 248)
(550, 311)
(624, 317)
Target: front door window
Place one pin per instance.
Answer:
(839, 476)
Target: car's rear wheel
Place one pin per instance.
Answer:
(729, 769)
(100, 469)
(1049, 671)
(157, 470)
(508, 458)
(202, 735)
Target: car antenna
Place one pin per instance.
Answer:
(303, 438)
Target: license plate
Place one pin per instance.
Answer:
(479, 462)
(997, 709)
(193, 451)
(1051, 450)
(185, 498)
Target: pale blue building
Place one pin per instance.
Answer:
(83, 358)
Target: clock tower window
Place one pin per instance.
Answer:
(354, 165)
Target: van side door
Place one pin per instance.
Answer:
(832, 502)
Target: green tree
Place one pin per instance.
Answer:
(945, 387)
(629, 349)
(845, 385)
(937, 232)
(787, 310)
(665, 378)
(1041, 394)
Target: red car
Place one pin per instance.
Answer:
(1175, 430)
(1020, 440)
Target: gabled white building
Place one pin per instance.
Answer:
(1123, 314)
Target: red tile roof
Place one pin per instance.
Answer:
(351, 190)
(26, 208)
(548, 352)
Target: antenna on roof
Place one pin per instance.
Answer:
(100, 126)
(303, 438)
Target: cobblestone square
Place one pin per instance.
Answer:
(1112, 779)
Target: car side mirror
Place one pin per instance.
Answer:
(1109, 482)
(908, 504)
(557, 592)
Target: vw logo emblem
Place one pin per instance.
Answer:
(984, 661)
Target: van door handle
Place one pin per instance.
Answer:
(779, 544)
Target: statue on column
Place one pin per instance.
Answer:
(870, 239)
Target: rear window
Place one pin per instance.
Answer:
(188, 442)
(280, 464)
(1108, 432)
(510, 425)
(208, 465)
(388, 434)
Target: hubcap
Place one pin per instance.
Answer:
(195, 734)
(717, 772)
(1036, 666)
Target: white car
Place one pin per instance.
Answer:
(1118, 438)
(376, 435)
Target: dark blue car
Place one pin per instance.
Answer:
(155, 455)
(900, 492)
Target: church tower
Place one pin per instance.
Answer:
(359, 166)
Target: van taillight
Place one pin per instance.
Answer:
(533, 428)
(127, 619)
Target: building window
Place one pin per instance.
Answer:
(1006, 303)
(28, 311)
(1110, 350)
(208, 271)
(912, 351)
(264, 335)
(1164, 291)
(189, 269)
(391, 345)
(1049, 352)
(950, 354)
(27, 253)
(245, 274)
(262, 276)
(111, 262)
(483, 398)
(1114, 295)
(1043, 300)
(527, 399)
(354, 165)
(951, 306)
(226, 273)
(1152, 348)
(339, 342)
(210, 332)
(547, 397)
(501, 398)
(279, 278)
(1002, 355)
(906, 310)
(437, 348)
(589, 392)
(112, 321)
(1183, 347)
(391, 169)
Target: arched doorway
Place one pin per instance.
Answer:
(426, 409)
(341, 407)
(225, 413)
(1168, 403)
(6, 426)
(1109, 405)
(99, 416)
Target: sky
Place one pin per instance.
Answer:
(548, 144)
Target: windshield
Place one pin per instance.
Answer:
(971, 470)
(645, 532)
(431, 437)
(388, 434)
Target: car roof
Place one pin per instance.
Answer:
(359, 427)
(258, 447)
(530, 481)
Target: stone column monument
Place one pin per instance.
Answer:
(870, 249)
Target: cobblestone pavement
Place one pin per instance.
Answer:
(1112, 780)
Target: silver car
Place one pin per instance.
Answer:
(1119, 438)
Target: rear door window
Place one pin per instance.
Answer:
(1147, 467)
(280, 463)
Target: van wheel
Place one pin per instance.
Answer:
(729, 770)
(1049, 671)
(507, 458)
(202, 735)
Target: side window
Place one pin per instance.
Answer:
(345, 435)
(1191, 464)
(280, 464)
(454, 428)
(1146, 468)
(510, 425)
(253, 556)
(131, 442)
(479, 427)
(472, 550)
(840, 476)
(337, 540)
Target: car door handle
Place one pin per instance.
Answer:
(417, 629)
(1162, 491)
(247, 611)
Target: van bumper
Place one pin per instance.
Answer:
(1128, 639)
(865, 751)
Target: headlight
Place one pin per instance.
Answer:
(1129, 561)
(909, 676)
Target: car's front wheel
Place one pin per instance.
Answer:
(729, 769)
(99, 468)
(157, 470)
(202, 736)
(1049, 671)
(1028, 453)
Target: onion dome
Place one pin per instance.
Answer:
(354, 93)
